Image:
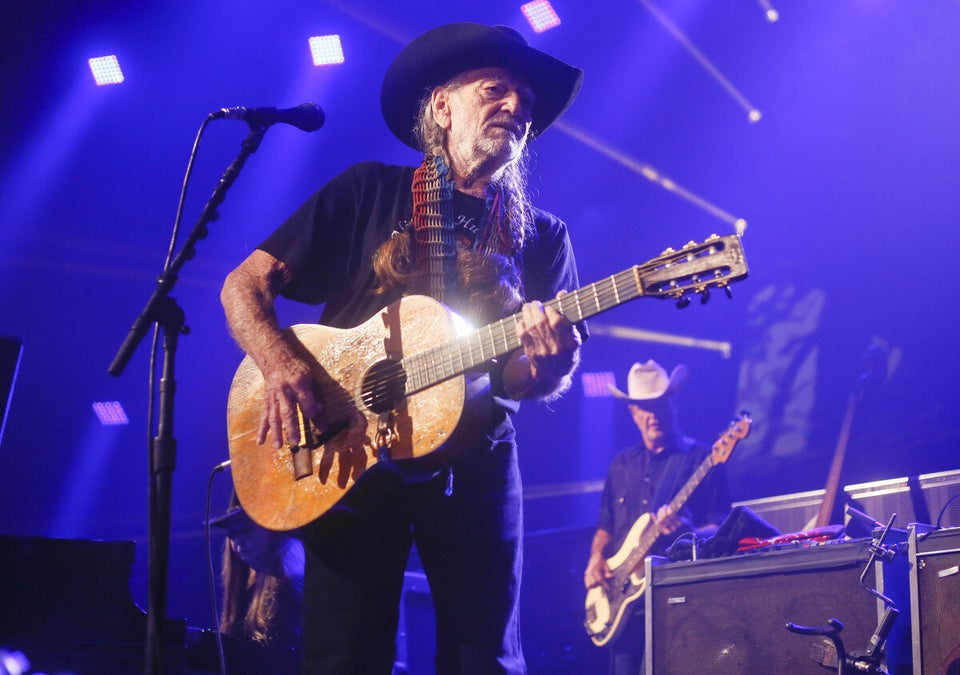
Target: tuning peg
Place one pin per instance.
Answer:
(705, 296)
(728, 292)
(683, 302)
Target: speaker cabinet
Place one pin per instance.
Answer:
(729, 615)
(935, 599)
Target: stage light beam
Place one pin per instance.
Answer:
(772, 15)
(753, 115)
(650, 173)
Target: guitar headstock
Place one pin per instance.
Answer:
(724, 445)
(695, 268)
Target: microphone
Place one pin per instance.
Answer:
(306, 116)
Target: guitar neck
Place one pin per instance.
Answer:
(832, 488)
(695, 268)
(440, 363)
(650, 535)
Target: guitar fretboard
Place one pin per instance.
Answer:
(429, 367)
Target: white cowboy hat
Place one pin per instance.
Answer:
(648, 381)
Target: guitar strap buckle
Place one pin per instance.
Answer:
(385, 434)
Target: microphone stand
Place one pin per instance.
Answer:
(162, 310)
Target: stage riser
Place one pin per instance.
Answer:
(921, 499)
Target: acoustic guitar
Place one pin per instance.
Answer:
(395, 387)
(607, 607)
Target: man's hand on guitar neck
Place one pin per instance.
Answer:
(550, 352)
(668, 522)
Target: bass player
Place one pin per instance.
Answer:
(641, 480)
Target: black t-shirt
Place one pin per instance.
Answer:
(330, 241)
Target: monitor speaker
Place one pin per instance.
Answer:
(935, 591)
(730, 615)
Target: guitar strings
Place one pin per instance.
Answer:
(469, 351)
(431, 366)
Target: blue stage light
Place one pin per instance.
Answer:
(326, 50)
(110, 413)
(106, 70)
(541, 15)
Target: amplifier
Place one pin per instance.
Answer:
(729, 615)
(934, 596)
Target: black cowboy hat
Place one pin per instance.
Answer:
(441, 53)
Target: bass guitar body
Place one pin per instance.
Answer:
(606, 609)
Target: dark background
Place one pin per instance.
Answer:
(848, 185)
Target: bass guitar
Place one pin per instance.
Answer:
(394, 386)
(606, 608)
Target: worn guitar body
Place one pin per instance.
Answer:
(342, 360)
(605, 612)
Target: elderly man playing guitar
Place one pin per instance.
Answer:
(349, 416)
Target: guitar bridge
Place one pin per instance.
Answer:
(302, 454)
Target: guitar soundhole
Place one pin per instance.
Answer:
(383, 386)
